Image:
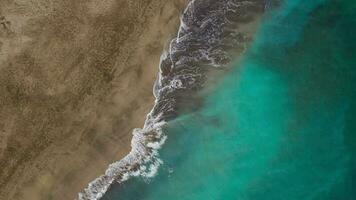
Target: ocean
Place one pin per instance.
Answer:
(279, 126)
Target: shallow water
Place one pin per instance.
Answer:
(280, 126)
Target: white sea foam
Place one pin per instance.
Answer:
(144, 151)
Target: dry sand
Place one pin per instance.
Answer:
(76, 77)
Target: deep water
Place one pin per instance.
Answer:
(280, 126)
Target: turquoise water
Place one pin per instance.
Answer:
(280, 126)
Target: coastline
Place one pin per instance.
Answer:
(206, 44)
(75, 80)
(229, 150)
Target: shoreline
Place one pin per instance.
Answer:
(75, 80)
(172, 85)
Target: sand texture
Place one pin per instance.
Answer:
(76, 77)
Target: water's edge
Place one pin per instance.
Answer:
(211, 33)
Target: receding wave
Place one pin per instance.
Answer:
(211, 33)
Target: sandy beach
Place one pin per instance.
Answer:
(76, 77)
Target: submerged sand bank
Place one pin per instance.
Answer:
(75, 78)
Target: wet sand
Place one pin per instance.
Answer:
(75, 78)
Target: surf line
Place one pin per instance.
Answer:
(210, 35)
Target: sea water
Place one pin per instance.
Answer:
(280, 126)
